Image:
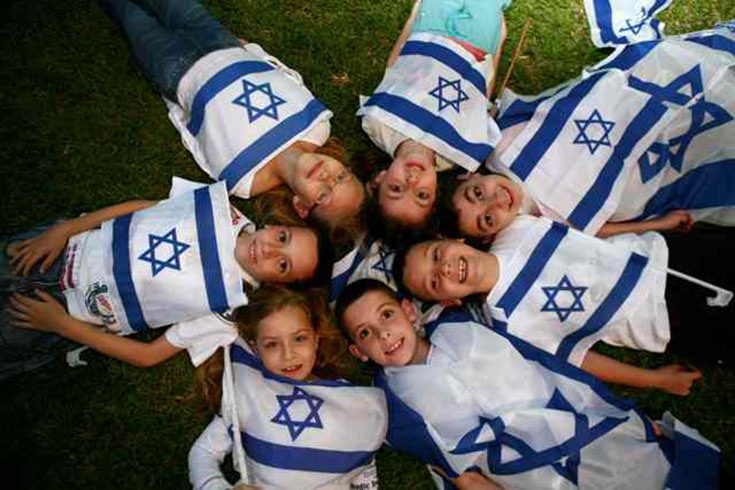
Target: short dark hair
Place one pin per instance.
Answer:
(399, 262)
(352, 293)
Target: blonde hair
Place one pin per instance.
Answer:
(331, 361)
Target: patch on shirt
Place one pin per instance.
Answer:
(97, 300)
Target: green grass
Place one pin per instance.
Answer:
(81, 128)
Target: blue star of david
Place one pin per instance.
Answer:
(246, 100)
(296, 427)
(438, 93)
(635, 28)
(381, 265)
(172, 262)
(584, 139)
(564, 285)
(705, 116)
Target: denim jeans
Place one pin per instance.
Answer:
(168, 36)
(21, 349)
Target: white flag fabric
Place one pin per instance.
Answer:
(435, 93)
(615, 22)
(300, 434)
(562, 290)
(173, 261)
(240, 108)
(524, 417)
(647, 130)
(370, 258)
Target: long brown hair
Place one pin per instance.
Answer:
(332, 360)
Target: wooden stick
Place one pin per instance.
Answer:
(516, 54)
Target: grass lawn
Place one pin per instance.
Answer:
(81, 128)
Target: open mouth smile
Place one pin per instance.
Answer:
(253, 255)
(292, 369)
(393, 348)
(462, 273)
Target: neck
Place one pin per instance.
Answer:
(421, 352)
(491, 269)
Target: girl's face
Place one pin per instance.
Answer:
(407, 190)
(323, 185)
(278, 253)
(286, 343)
(382, 330)
(485, 204)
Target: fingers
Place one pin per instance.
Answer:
(19, 303)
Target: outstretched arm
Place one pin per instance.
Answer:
(48, 315)
(673, 378)
(401, 41)
(206, 456)
(47, 246)
(672, 220)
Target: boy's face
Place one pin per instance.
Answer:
(485, 204)
(446, 270)
(382, 330)
(278, 253)
(407, 190)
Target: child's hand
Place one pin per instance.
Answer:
(675, 220)
(44, 248)
(469, 480)
(677, 379)
(44, 314)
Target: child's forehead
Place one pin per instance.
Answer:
(371, 300)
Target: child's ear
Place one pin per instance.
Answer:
(451, 302)
(300, 206)
(408, 309)
(355, 351)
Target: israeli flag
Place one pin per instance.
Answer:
(562, 290)
(615, 22)
(247, 110)
(303, 433)
(521, 415)
(369, 259)
(647, 130)
(173, 261)
(435, 93)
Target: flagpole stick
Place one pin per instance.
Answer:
(229, 395)
(723, 295)
(516, 55)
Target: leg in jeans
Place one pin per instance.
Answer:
(20, 349)
(168, 37)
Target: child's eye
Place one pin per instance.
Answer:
(386, 314)
(301, 338)
(488, 219)
(434, 283)
(435, 254)
(394, 188)
(477, 192)
(283, 236)
(423, 195)
(269, 345)
(282, 265)
(322, 198)
(342, 176)
(363, 334)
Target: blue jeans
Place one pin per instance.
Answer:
(21, 349)
(168, 36)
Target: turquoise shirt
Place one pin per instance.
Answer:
(474, 21)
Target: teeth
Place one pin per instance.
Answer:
(394, 347)
(462, 269)
(252, 251)
(292, 368)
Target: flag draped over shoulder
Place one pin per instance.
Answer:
(648, 130)
(173, 261)
(615, 22)
(526, 418)
(303, 434)
(562, 290)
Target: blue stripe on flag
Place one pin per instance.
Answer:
(609, 306)
(597, 195)
(629, 56)
(270, 142)
(338, 283)
(208, 250)
(429, 123)
(532, 268)
(603, 16)
(303, 458)
(449, 58)
(552, 126)
(216, 84)
(519, 111)
(122, 273)
(715, 41)
(239, 355)
(707, 186)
